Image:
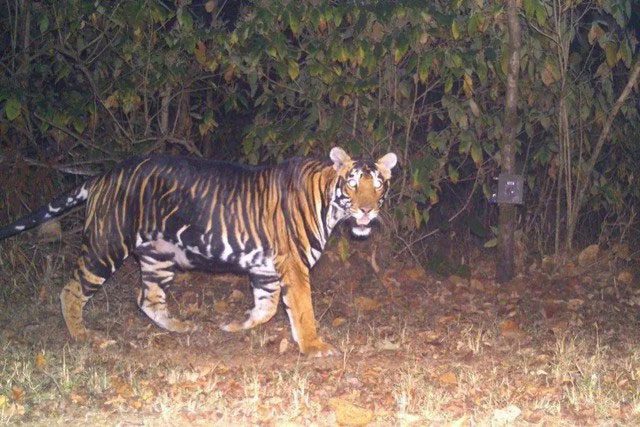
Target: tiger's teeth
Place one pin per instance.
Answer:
(361, 231)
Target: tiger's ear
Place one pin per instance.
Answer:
(339, 157)
(386, 163)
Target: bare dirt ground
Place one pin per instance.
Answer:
(553, 348)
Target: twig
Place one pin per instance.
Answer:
(71, 133)
(437, 230)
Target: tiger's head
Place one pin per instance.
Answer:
(361, 188)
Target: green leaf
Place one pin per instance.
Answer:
(184, 19)
(465, 143)
(529, 8)
(541, 14)
(294, 70)
(79, 124)
(12, 108)
(476, 153)
(611, 53)
(454, 175)
(455, 30)
(44, 23)
(294, 23)
(491, 243)
(474, 24)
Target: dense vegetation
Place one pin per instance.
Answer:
(84, 84)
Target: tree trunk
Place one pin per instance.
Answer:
(507, 220)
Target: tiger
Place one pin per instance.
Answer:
(174, 213)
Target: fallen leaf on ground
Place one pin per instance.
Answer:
(50, 231)
(338, 321)
(40, 361)
(236, 296)
(574, 304)
(445, 320)
(460, 422)
(510, 328)
(390, 282)
(416, 274)
(506, 415)
(448, 378)
(625, 277)
(366, 304)
(221, 307)
(406, 418)
(78, 399)
(457, 280)
(17, 393)
(588, 255)
(284, 345)
(476, 284)
(386, 345)
(430, 336)
(349, 414)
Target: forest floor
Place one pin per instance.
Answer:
(556, 346)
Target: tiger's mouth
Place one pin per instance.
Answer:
(361, 227)
(361, 231)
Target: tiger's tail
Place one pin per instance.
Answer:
(55, 208)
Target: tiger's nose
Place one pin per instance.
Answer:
(366, 210)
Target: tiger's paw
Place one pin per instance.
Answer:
(95, 338)
(181, 326)
(233, 326)
(319, 348)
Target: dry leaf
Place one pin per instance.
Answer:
(457, 280)
(3, 401)
(448, 378)
(390, 282)
(366, 304)
(284, 345)
(42, 294)
(338, 321)
(236, 296)
(509, 328)
(210, 6)
(574, 304)
(430, 336)
(445, 320)
(463, 421)
(349, 414)
(408, 419)
(221, 307)
(417, 274)
(78, 399)
(625, 277)
(506, 415)
(50, 231)
(588, 255)
(17, 393)
(40, 361)
(476, 284)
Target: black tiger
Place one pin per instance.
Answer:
(271, 222)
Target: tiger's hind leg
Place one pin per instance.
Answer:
(88, 278)
(157, 274)
(266, 295)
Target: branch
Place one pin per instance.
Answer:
(606, 129)
(76, 136)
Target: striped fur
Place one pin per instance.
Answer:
(270, 222)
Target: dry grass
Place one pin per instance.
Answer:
(430, 354)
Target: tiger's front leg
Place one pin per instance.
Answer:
(297, 301)
(266, 295)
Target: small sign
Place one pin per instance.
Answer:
(510, 189)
